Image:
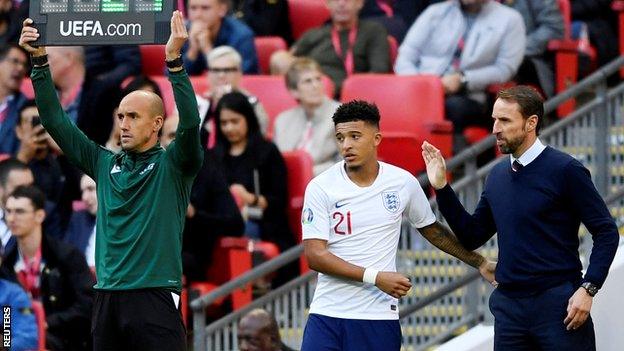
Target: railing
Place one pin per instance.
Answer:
(593, 133)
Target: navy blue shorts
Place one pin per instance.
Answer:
(324, 333)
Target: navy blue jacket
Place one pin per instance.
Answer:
(537, 212)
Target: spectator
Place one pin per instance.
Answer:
(24, 333)
(13, 67)
(36, 150)
(382, 12)
(9, 22)
(81, 230)
(212, 212)
(308, 126)
(265, 17)
(224, 76)
(14, 173)
(210, 27)
(50, 271)
(543, 22)
(88, 102)
(602, 26)
(470, 44)
(109, 65)
(345, 46)
(409, 10)
(255, 171)
(258, 331)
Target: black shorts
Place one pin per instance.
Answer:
(144, 319)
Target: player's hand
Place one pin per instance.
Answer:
(579, 306)
(30, 34)
(436, 167)
(177, 38)
(392, 283)
(487, 270)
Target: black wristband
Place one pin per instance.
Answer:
(38, 61)
(175, 63)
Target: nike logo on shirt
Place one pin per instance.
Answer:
(339, 205)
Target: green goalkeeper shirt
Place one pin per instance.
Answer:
(142, 197)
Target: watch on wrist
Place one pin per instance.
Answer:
(175, 63)
(592, 289)
(39, 61)
(463, 81)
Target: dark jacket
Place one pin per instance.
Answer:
(79, 230)
(9, 144)
(66, 293)
(216, 215)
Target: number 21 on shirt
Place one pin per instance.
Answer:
(343, 224)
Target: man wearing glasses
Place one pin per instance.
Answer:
(224, 76)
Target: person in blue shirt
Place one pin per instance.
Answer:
(211, 27)
(535, 200)
(24, 334)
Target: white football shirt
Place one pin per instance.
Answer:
(362, 226)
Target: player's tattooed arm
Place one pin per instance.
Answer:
(442, 238)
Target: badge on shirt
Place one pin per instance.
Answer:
(307, 216)
(391, 200)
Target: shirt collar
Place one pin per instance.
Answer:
(530, 154)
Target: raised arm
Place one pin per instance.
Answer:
(185, 150)
(78, 148)
(471, 230)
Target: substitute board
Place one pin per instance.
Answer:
(101, 22)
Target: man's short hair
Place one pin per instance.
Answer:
(298, 66)
(224, 50)
(8, 165)
(31, 192)
(528, 99)
(357, 110)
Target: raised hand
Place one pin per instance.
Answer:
(436, 167)
(392, 283)
(177, 38)
(28, 35)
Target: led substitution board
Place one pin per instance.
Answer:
(101, 22)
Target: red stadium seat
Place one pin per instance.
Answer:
(412, 110)
(273, 94)
(299, 168)
(306, 14)
(200, 84)
(4, 156)
(152, 59)
(618, 6)
(231, 259)
(39, 312)
(265, 47)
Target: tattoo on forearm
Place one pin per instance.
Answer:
(442, 238)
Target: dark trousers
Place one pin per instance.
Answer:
(464, 111)
(535, 322)
(144, 319)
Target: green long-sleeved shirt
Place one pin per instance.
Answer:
(142, 197)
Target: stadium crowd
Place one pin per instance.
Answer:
(48, 207)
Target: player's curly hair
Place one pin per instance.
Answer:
(357, 110)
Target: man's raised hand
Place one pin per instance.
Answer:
(436, 167)
(177, 38)
(28, 35)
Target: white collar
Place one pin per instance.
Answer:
(530, 154)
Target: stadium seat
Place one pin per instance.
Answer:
(306, 14)
(4, 156)
(152, 59)
(273, 94)
(299, 169)
(412, 110)
(231, 259)
(39, 312)
(265, 47)
(618, 6)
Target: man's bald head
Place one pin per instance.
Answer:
(154, 102)
(258, 331)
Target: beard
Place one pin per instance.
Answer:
(510, 146)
